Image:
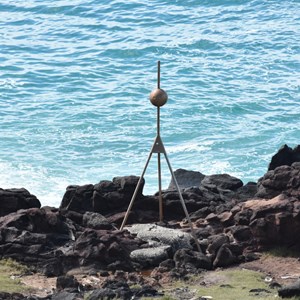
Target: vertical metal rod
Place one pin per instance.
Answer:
(158, 74)
(158, 120)
(182, 203)
(161, 213)
(135, 192)
(160, 201)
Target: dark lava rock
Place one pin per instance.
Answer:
(241, 233)
(224, 257)
(186, 179)
(95, 221)
(259, 292)
(285, 156)
(216, 241)
(103, 294)
(247, 191)
(284, 179)
(53, 244)
(64, 295)
(67, 282)
(12, 200)
(187, 258)
(17, 296)
(145, 291)
(222, 181)
(112, 289)
(272, 221)
(291, 290)
(104, 197)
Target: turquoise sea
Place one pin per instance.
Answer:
(75, 77)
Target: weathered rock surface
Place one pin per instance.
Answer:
(285, 156)
(162, 243)
(186, 179)
(283, 179)
(291, 290)
(192, 260)
(12, 200)
(54, 244)
(149, 257)
(158, 235)
(104, 197)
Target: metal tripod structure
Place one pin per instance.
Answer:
(159, 97)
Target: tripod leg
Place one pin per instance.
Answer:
(135, 192)
(182, 203)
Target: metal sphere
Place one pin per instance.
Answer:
(158, 97)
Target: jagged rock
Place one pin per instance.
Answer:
(168, 264)
(120, 288)
(64, 295)
(224, 257)
(50, 267)
(95, 221)
(241, 217)
(246, 192)
(12, 200)
(145, 291)
(67, 282)
(283, 179)
(35, 220)
(104, 197)
(201, 213)
(221, 181)
(216, 241)
(226, 218)
(78, 198)
(103, 294)
(285, 156)
(104, 247)
(241, 233)
(186, 179)
(187, 258)
(128, 184)
(274, 221)
(54, 244)
(19, 296)
(290, 291)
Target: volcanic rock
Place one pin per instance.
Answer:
(290, 291)
(284, 179)
(53, 244)
(104, 197)
(224, 257)
(222, 182)
(67, 282)
(12, 200)
(192, 260)
(285, 156)
(186, 179)
(273, 221)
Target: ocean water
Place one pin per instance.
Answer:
(75, 77)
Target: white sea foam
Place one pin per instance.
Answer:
(48, 189)
(189, 147)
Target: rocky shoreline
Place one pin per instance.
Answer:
(232, 222)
